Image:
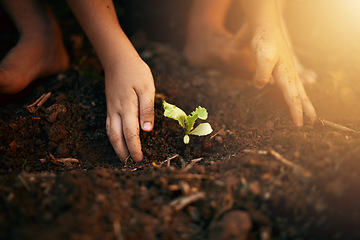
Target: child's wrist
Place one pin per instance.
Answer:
(118, 61)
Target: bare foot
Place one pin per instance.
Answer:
(38, 53)
(211, 47)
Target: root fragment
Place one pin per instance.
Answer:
(169, 159)
(229, 202)
(181, 202)
(65, 160)
(38, 103)
(24, 183)
(298, 170)
(193, 162)
(335, 126)
(60, 160)
(280, 158)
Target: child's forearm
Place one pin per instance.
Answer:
(261, 14)
(210, 12)
(99, 21)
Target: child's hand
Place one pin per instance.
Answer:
(130, 94)
(129, 84)
(273, 57)
(275, 63)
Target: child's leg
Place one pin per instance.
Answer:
(40, 50)
(273, 56)
(210, 44)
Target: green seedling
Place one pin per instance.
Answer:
(187, 121)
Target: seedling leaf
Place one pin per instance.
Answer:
(202, 129)
(201, 112)
(172, 111)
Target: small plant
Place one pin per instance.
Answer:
(187, 121)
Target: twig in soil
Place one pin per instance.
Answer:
(42, 160)
(26, 185)
(60, 160)
(193, 162)
(261, 152)
(38, 103)
(183, 163)
(335, 126)
(229, 199)
(65, 160)
(280, 158)
(214, 135)
(181, 202)
(299, 171)
(155, 165)
(117, 231)
(169, 159)
(126, 160)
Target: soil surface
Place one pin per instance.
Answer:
(255, 177)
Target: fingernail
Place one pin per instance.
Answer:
(147, 126)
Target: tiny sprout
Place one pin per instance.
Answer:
(187, 121)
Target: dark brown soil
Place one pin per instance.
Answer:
(234, 193)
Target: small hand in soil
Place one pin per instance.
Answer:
(130, 95)
(274, 59)
(274, 63)
(129, 84)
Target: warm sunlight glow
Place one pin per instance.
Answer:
(326, 36)
(349, 11)
(351, 6)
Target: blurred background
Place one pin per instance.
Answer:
(325, 35)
